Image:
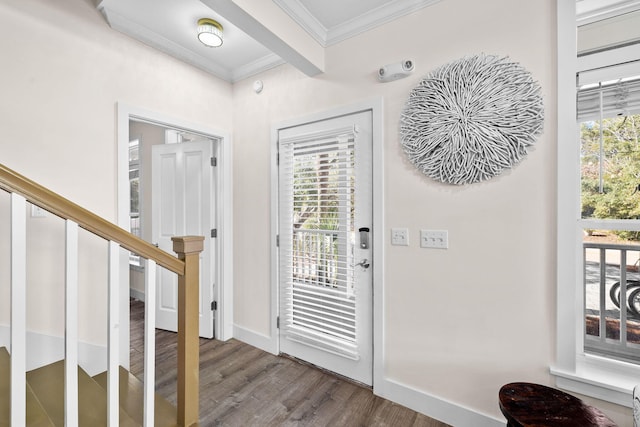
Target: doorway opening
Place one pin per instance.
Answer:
(150, 130)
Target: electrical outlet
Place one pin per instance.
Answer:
(438, 239)
(400, 236)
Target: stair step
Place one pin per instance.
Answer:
(36, 415)
(47, 384)
(132, 400)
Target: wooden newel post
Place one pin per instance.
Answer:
(188, 249)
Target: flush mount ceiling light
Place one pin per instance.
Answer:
(210, 32)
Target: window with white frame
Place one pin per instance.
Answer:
(608, 112)
(596, 351)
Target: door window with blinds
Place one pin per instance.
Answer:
(609, 123)
(321, 261)
(318, 246)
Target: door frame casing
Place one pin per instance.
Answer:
(224, 216)
(375, 105)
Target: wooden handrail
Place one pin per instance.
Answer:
(38, 195)
(185, 265)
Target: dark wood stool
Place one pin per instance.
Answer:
(526, 404)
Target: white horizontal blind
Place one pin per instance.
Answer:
(618, 98)
(318, 305)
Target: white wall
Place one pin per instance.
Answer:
(458, 323)
(63, 71)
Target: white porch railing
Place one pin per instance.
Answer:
(612, 300)
(186, 266)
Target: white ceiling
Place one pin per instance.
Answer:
(170, 26)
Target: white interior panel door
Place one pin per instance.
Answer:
(182, 183)
(325, 254)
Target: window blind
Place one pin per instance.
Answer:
(618, 98)
(316, 182)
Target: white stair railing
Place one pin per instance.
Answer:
(149, 343)
(18, 310)
(113, 337)
(71, 326)
(185, 265)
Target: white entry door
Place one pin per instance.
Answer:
(182, 183)
(325, 237)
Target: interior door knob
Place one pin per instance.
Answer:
(364, 263)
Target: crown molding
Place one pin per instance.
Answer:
(256, 67)
(136, 31)
(244, 20)
(305, 19)
(365, 22)
(375, 18)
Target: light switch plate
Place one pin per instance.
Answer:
(438, 239)
(400, 236)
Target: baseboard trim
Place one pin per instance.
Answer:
(136, 294)
(256, 339)
(433, 406)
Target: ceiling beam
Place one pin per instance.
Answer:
(269, 25)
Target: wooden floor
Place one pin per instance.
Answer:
(241, 385)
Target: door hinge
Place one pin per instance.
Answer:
(214, 305)
(214, 232)
(277, 159)
(277, 240)
(278, 322)
(214, 161)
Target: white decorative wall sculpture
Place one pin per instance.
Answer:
(469, 120)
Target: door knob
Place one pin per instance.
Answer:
(364, 264)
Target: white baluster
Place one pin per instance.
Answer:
(18, 309)
(113, 391)
(149, 343)
(71, 326)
